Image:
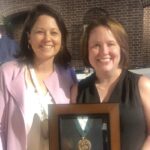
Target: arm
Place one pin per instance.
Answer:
(73, 93)
(144, 87)
(2, 114)
(74, 88)
(1, 122)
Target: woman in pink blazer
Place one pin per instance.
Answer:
(40, 76)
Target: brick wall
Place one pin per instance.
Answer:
(145, 3)
(146, 35)
(129, 12)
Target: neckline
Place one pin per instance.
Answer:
(116, 92)
(113, 96)
(35, 81)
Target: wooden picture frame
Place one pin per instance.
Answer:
(61, 124)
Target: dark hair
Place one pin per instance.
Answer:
(63, 57)
(119, 33)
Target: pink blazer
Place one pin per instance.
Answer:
(12, 87)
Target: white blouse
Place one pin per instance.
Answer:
(36, 114)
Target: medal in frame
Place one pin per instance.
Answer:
(84, 127)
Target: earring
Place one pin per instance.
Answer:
(28, 46)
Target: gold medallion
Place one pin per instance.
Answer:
(84, 144)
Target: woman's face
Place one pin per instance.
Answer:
(104, 50)
(45, 38)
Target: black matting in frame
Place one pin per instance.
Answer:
(79, 126)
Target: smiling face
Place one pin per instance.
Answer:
(45, 38)
(104, 50)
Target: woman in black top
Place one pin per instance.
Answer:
(104, 47)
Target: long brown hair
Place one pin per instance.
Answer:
(63, 57)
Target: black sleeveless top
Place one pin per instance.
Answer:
(132, 120)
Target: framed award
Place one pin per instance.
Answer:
(84, 127)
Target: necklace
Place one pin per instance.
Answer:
(35, 80)
(43, 100)
(83, 125)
